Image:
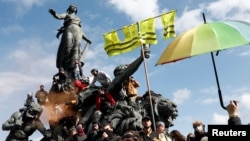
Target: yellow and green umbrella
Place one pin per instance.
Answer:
(207, 38)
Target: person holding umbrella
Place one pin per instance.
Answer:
(232, 109)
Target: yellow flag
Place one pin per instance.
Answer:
(131, 38)
(168, 23)
(147, 30)
(113, 46)
(112, 43)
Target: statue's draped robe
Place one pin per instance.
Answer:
(69, 48)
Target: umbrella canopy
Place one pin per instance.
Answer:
(206, 38)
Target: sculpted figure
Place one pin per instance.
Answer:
(165, 110)
(124, 117)
(24, 123)
(122, 73)
(72, 35)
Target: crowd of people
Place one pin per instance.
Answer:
(105, 132)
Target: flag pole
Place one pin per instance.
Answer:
(147, 80)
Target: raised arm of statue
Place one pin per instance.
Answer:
(131, 69)
(52, 12)
(121, 73)
(57, 16)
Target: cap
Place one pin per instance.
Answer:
(146, 118)
(159, 123)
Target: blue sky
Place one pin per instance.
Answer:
(28, 49)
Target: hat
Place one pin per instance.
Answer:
(146, 118)
(160, 123)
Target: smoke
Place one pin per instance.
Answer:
(56, 108)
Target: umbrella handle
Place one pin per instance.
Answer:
(221, 100)
(218, 84)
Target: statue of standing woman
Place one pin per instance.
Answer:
(69, 49)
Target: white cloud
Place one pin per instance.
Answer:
(245, 100)
(210, 90)
(26, 68)
(31, 54)
(218, 10)
(136, 9)
(219, 119)
(17, 80)
(210, 101)
(194, 18)
(246, 53)
(23, 6)
(229, 9)
(181, 95)
(11, 29)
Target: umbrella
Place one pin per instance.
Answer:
(207, 38)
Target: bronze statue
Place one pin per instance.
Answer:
(124, 116)
(82, 108)
(72, 35)
(24, 123)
